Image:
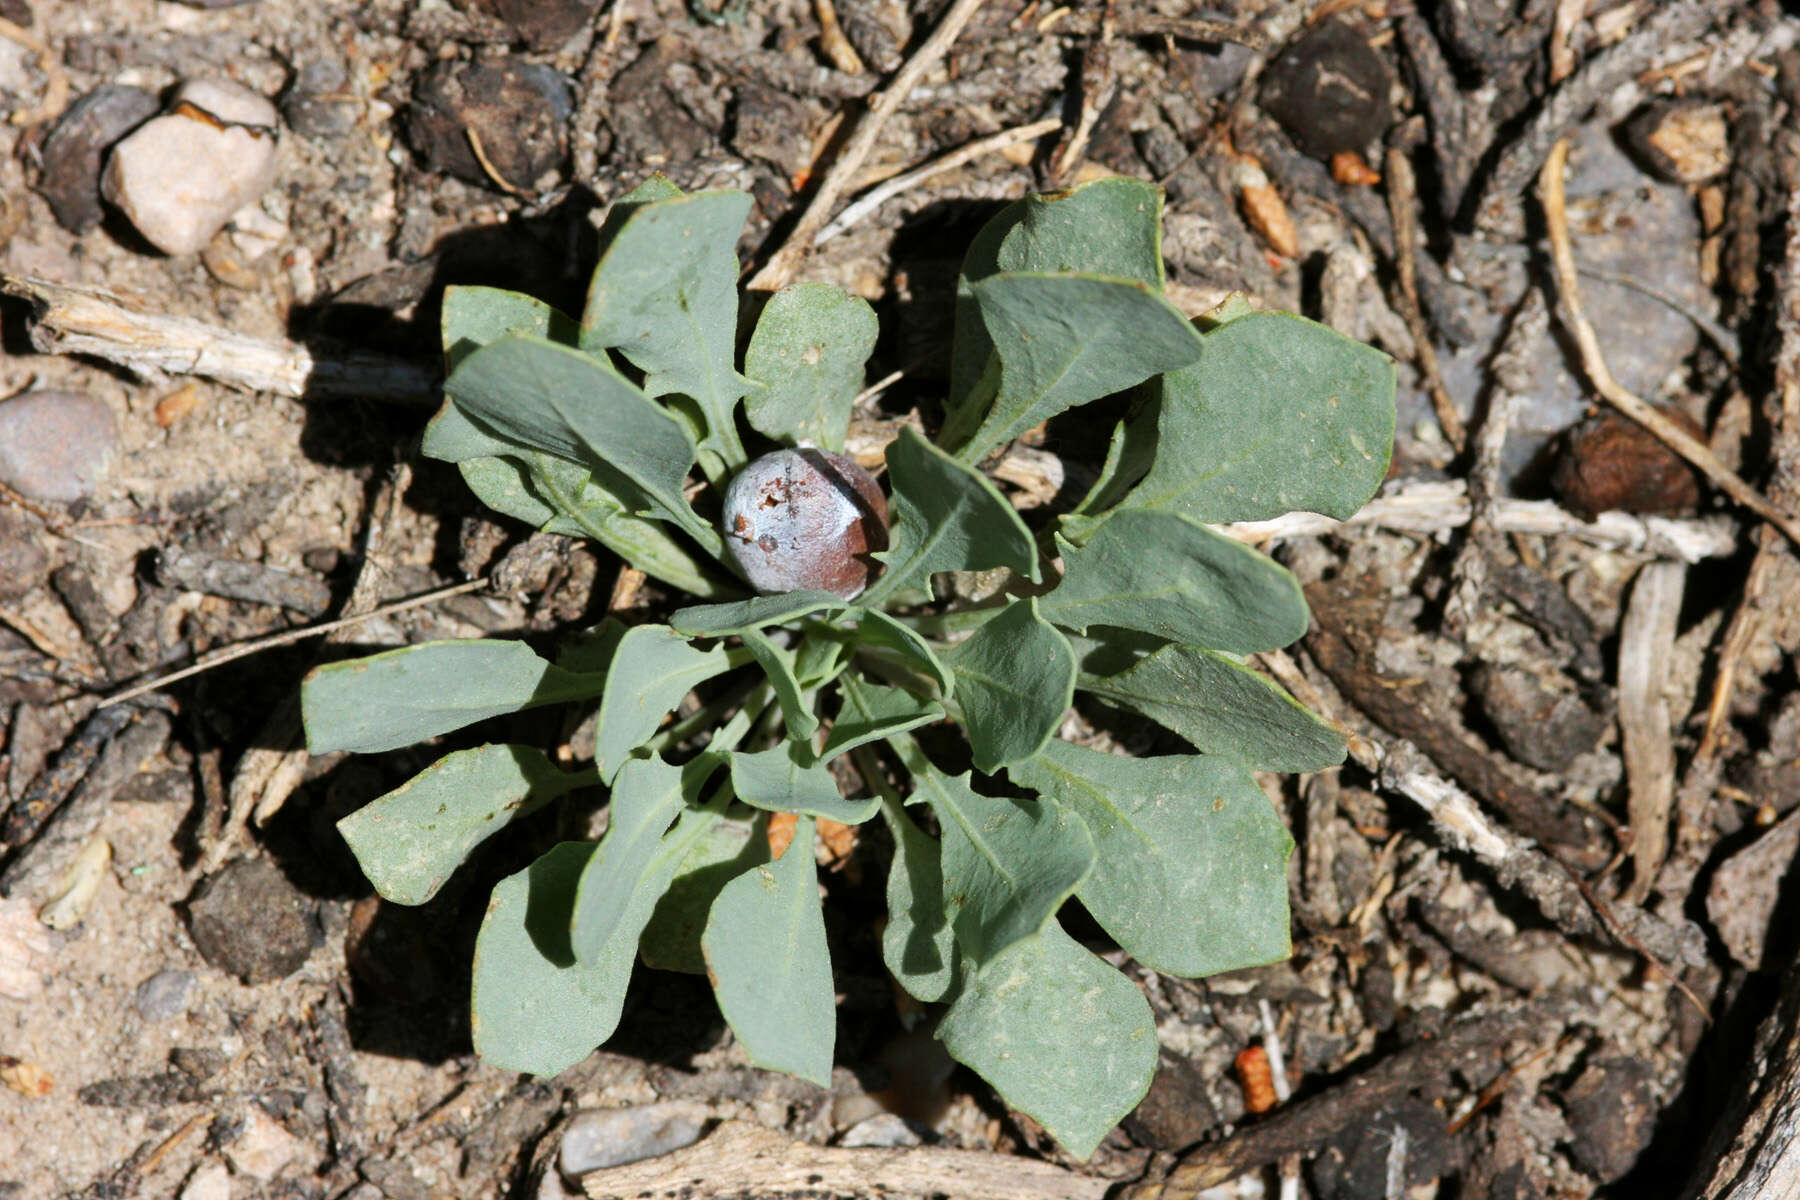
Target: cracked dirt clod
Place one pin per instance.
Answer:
(517, 112)
(249, 920)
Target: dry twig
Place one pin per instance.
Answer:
(79, 319)
(887, 189)
(780, 268)
(1402, 194)
(1646, 644)
(1437, 506)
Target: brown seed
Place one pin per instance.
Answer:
(1610, 463)
(1349, 169)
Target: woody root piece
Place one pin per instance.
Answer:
(84, 320)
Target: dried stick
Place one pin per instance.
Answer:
(596, 82)
(1304, 1126)
(1402, 194)
(1594, 362)
(1097, 86)
(219, 658)
(837, 47)
(780, 268)
(1646, 643)
(887, 189)
(1437, 506)
(79, 319)
(741, 1159)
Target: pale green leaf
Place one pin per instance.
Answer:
(777, 663)
(787, 778)
(637, 858)
(653, 668)
(403, 696)
(566, 403)
(665, 295)
(1110, 226)
(771, 971)
(1015, 677)
(1280, 414)
(724, 620)
(472, 317)
(1191, 876)
(534, 1008)
(916, 943)
(877, 628)
(1222, 707)
(1066, 340)
(410, 840)
(1008, 863)
(947, 517)
(1163, 574)
(807, 353)
(725, 849)
(1063, 1037)
(873, 711)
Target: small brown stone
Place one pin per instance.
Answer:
(1329, 90)
(1610, 463)
(70, 180)
(1682, 141)
(1612, 1112)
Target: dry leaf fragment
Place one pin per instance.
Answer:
(79, 885)
(1266, 211)
(25, 1078)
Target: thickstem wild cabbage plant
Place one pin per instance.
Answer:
(624, 426)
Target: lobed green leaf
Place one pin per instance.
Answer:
(723, 850)
(787, 778)
(771, 970)
(947, 517)
(665, 295)
(1015, 677)
(872, 711)
(652, 669)
(1008, 863)
(1066, 1039)
(410, 840)
(1279, 414)
(1190, 872)
(1222, 707)
(808, 351)
(917, 944)
(393, 699)
(637, 858)
(534, 1007)
(1163, 574)
(1066, 340)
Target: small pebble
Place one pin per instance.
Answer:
(181, 176)
(164, 995)
(1540, 727)
(610, 1137)
(249, 920)
(23, 561)
(517, 111)
(262, 1147)
(319, 103)
(1329, 91)
(886, 1130)
(210, 1181)
(1685, 140)
(56, 446)
(73, 152)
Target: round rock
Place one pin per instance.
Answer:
(164, 995)
(517, 111)
(249, 920)
(180, 176)
(56, 446)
